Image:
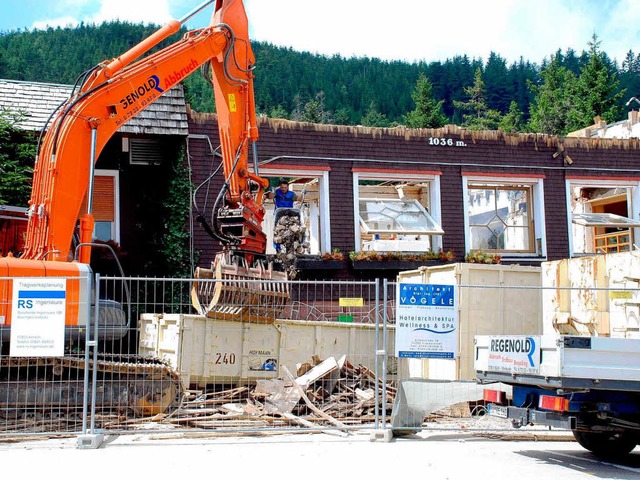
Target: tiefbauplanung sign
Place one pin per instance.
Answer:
(38, 317)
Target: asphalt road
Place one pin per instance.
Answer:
(432, 455)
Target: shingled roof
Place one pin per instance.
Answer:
(166, 116)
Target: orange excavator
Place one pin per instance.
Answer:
(103, 99)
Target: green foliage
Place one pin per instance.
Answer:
(513, 121)
(428, 111)
(481, 116)
(565, 102)
(314, 111)
(283, 77)
(174, 242)
(499, 88)
(59, 55)
(373, 118)
(480, 256)
(198, 93)
(553, 99)
(365, 91)
(17, 154)
(278, 112)
(597, 91)
(374, 256)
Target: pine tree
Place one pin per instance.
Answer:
(428, 112)
(597, 91)
(314, 110)
(631, 63)
(278, 112)
(496, 78)
(553, 99)
(630, 74)
(373, 118)
(512, 122)
(481, 116)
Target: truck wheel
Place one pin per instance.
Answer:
(606, 444)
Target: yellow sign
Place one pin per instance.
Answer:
(232, 103)
(621, 294)
(351, 302)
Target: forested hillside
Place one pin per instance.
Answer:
(477, 93)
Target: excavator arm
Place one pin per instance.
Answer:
(112, 93)
(103, 99)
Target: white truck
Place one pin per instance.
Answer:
(587, 384)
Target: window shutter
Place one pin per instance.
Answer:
(104, 200)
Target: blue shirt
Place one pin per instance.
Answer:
(284, 200)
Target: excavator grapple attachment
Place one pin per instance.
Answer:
(234, 290)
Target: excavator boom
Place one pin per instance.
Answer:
(115, 92)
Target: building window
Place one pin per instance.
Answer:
(105, 206)
(314, 205)
(397, 211)
(602, 218)
(504, 215)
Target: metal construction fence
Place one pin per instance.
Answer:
(322, 359)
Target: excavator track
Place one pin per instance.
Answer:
(127, 384)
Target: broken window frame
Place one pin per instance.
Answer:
(322, 242)
(431, 227)
(610, 220)
(433, 208)
(632, 186)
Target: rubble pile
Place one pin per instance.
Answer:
(330, 393)
(332, 396)
(289, 233)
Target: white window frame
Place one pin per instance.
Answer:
(537, 193)
(323, 192)
(633, 202)
(434, 199)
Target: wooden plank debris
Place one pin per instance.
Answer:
(330, 393)
(326, 395)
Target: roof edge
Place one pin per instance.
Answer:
(471, 136)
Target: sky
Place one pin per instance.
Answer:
(407, 30)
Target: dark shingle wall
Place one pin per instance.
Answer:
(343, 148)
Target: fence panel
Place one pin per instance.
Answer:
(325, 361)
(43, 380)
(252, 363)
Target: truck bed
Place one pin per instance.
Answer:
(565, 362)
